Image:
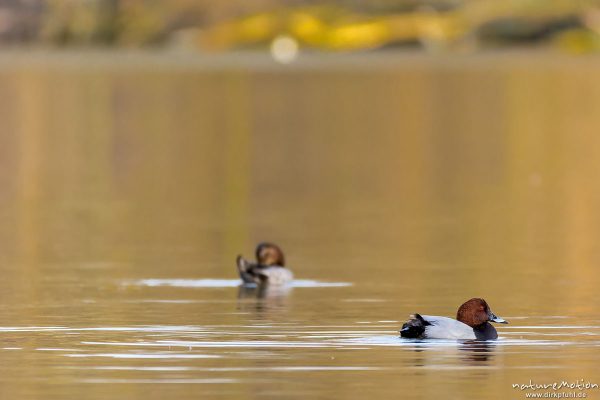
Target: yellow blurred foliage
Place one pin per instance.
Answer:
(210, 26)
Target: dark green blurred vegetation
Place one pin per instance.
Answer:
(207, 25)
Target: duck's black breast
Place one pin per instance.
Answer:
(485, 332)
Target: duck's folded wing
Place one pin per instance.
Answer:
(446, 328)
(275, 275)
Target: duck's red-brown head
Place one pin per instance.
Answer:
(476, 312)
(269, 254)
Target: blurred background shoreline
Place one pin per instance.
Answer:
(209, 27)
(542, 59)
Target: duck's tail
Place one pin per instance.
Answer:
(414, 328)
(245, 270)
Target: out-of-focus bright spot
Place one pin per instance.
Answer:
(284, 49)
(535, 179)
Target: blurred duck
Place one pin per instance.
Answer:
(269, 267)
(471, 323)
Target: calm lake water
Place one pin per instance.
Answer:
(394, 183)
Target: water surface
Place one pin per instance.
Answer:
(395, 184)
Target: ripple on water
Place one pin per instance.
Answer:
(333, 339)
(395, 341)
(162, 381)
(237, 369)
(165, 355)
(221, 283)
(139, 328)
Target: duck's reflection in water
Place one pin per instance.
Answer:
(477, 352)
(472, 353)
(263, 298)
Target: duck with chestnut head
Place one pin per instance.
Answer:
(472, 323)
(269, 267)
